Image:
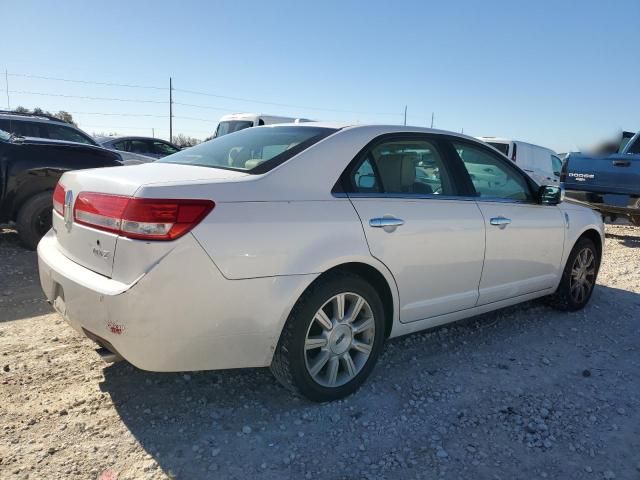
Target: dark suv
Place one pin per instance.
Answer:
(29, 171)
(42, 126)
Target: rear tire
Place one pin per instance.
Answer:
(332, 339)
(34, 219)
(578, 278)
(635, 219)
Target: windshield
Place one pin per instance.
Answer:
(4, 135)
(501, 147)
(232, 126)
(256, 150)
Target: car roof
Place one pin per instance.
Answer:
(52, 141)
(128, 137)
(29, 117)
(377, 129)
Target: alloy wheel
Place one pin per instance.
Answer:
(583, 275)
(339, 340)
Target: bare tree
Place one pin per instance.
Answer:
(184, 141)
(61, 115)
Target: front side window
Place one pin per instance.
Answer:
(252, 149)
(60, 132)
(402, 167)
(491, 175)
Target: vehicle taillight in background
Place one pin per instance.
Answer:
(140, 218)
(514, 154)
(58, 199)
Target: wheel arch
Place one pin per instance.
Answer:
(593, 235)
(377, 281)
(376, 274)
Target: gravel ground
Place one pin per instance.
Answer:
(526, 392)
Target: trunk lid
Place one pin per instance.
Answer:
(96, 249)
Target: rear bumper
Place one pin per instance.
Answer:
(180, 315)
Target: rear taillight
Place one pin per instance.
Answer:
(140, 218)
(58, 199)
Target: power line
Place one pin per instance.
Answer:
(120, 114)
(127, 85)
(191, 92)
(239, 99)
(197, 119)
(202, 106)
(114, 99)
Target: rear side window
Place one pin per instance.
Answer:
(60, 132)
(139, 146)
(255, 150)
(412, 167)
(492, 176)
(27, 129)
(162, 148)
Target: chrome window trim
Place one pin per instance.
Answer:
(412, 196)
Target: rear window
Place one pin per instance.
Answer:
(634, 147)
(61, 132)
(501, 147)
(254, 150)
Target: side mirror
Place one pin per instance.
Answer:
(550, 195)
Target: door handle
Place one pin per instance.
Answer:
(621, 163)
(382, 222)
(500, 221)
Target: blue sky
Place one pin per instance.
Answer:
(558, 73)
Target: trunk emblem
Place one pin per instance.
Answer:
(68, 211)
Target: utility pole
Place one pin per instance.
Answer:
(170, 110)
(6, 80)
(153, 132)
(432, 114)
(405, 114)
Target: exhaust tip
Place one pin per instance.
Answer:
(108, 356)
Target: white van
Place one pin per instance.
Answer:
(239, 121)
(542, 164)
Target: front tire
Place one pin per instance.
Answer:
(34, 219)
(578, 278)
(332, 338)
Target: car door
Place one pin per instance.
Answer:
(432, 241)
(524, 239)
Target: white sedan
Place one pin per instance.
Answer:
(303, 247)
